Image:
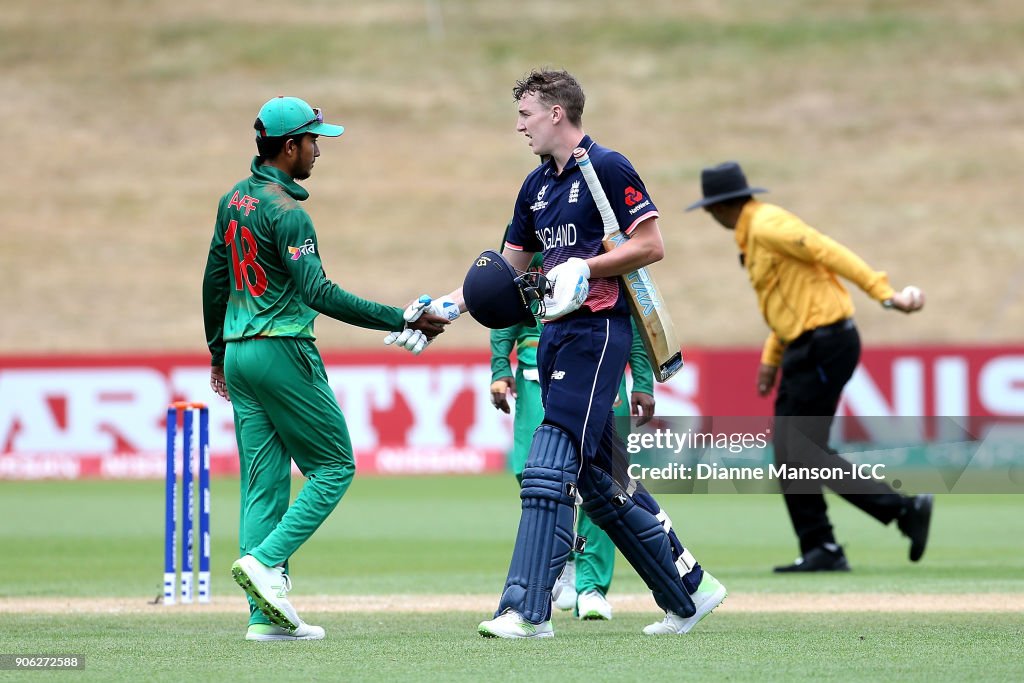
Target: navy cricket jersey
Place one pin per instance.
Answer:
(555, 214)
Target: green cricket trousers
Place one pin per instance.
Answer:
(284, 411)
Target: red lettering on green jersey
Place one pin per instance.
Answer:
(257, 285)
(246, 203)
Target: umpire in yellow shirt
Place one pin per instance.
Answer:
(795, 272)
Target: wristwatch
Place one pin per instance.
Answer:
(887, 303)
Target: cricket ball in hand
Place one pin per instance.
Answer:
(915, 295)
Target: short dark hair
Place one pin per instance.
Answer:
(269, 148)
(551, 88)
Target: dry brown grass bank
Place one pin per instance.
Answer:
(896, 127)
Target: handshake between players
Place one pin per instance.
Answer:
(497, 296)
(416, 339)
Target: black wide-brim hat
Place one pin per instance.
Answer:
(725, 181)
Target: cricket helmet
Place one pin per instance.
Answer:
(498, 297)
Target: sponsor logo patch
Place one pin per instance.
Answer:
(638, 207)
(633, 196)
(307, 248)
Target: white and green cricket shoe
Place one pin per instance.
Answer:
(510, 624)
(270, 632)
(593, 606)
(709, 595)
(268, 587)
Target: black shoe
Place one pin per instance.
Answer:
(824, 558)
(914, 522)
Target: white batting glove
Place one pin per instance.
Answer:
(414, 310)
(405, 338)
(410, 340)
(570, 288)
(445, 308)
(414, 340)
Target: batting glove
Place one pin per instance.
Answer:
(410, 340)
(445, 308)
(570, 289)
(414, 340)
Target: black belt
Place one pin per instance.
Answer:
(832, 329)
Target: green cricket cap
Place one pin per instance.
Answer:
(291, 116)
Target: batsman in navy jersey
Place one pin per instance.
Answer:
(583, 354)
(581, 358)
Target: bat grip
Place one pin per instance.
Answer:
(604, 207)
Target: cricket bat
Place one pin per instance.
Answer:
(645, 302)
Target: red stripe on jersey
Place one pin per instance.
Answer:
(513, 247)
(604, 292)
(638, 221)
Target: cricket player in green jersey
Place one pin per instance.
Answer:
(263, 286)
(587, 576)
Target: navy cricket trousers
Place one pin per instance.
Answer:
(581, 361)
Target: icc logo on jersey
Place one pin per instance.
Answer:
(540, 203)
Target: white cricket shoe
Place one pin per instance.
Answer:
(707, 597)
(563, 593)
(510, 624)
(270, 632)
(592, 606)
(268, 587)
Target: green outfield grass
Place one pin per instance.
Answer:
(453, 535)
(444, 647)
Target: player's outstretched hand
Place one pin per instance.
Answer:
(435, 312)
(408, 339)
(415, 308)
(425, 318)
(429, 325)
(418, 334)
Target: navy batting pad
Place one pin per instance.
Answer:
(546, 527)
(639, 536)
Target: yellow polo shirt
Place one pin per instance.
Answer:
(793, 269)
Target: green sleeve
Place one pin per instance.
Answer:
(319, 293)
(643, 375)
(502, 343)
(216, 288)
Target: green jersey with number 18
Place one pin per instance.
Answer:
(263, 274)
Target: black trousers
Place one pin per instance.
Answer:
(815, 368)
